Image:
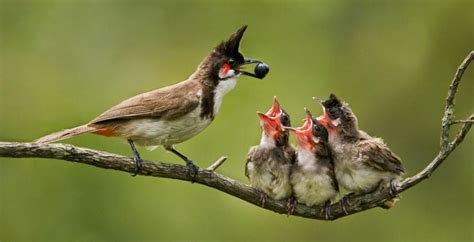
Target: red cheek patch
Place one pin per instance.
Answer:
(225, 69)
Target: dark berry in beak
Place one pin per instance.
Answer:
(261, 70)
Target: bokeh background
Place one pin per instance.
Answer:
(64, 62)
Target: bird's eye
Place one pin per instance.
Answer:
(333, 113)
(285, 119)
(232, 62)
(320, 131)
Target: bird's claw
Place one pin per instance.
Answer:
(345, 201)
(263, 199)
(327, 210)
(291, 205)
(393, 188)
(192, 170)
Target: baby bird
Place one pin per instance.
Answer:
(362, 163)
(312, 177)
(269, 163)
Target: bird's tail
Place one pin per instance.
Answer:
(66, 134)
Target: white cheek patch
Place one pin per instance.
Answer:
(225, 73)
(316, 140)
(336, 122)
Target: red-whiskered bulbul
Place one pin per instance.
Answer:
(176, 113)
(362, 163)
(312, 176)
(269, 163)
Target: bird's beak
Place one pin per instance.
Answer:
(320, 102)
(276, 109)
(324, 119)
(304, 134)
(264, 117)
(269, 122)
(271, 119)
(250, 61)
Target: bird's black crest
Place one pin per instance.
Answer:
(334, 107)
(332, 102)
(231, 46)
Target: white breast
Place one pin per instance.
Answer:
(355, 177)
(221, 90)
(311, 184)
(305, 159)
(272, 179)
(155, 132)
(312, 187)
(352, 173)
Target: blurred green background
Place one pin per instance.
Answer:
(64, 62)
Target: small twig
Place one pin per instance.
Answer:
(462, 121)
(463, 132)
(216, 164)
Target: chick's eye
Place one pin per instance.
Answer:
(316, 131)
(333, 113)
(284, 119)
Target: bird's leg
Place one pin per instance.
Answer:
(290, 205)
(327, 209)
(192, 168)
(136, 158)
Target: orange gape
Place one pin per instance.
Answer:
(105, 132)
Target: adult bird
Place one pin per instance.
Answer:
(173, 114)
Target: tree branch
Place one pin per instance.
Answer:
(210, 178)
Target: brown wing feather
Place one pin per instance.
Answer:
(379, 156)
(166, 103)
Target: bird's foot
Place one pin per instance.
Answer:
(291, 205)
(192, 170)
(263, 198)
(138, 165)
(345, 201)
(393, 188)
(327, 210)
